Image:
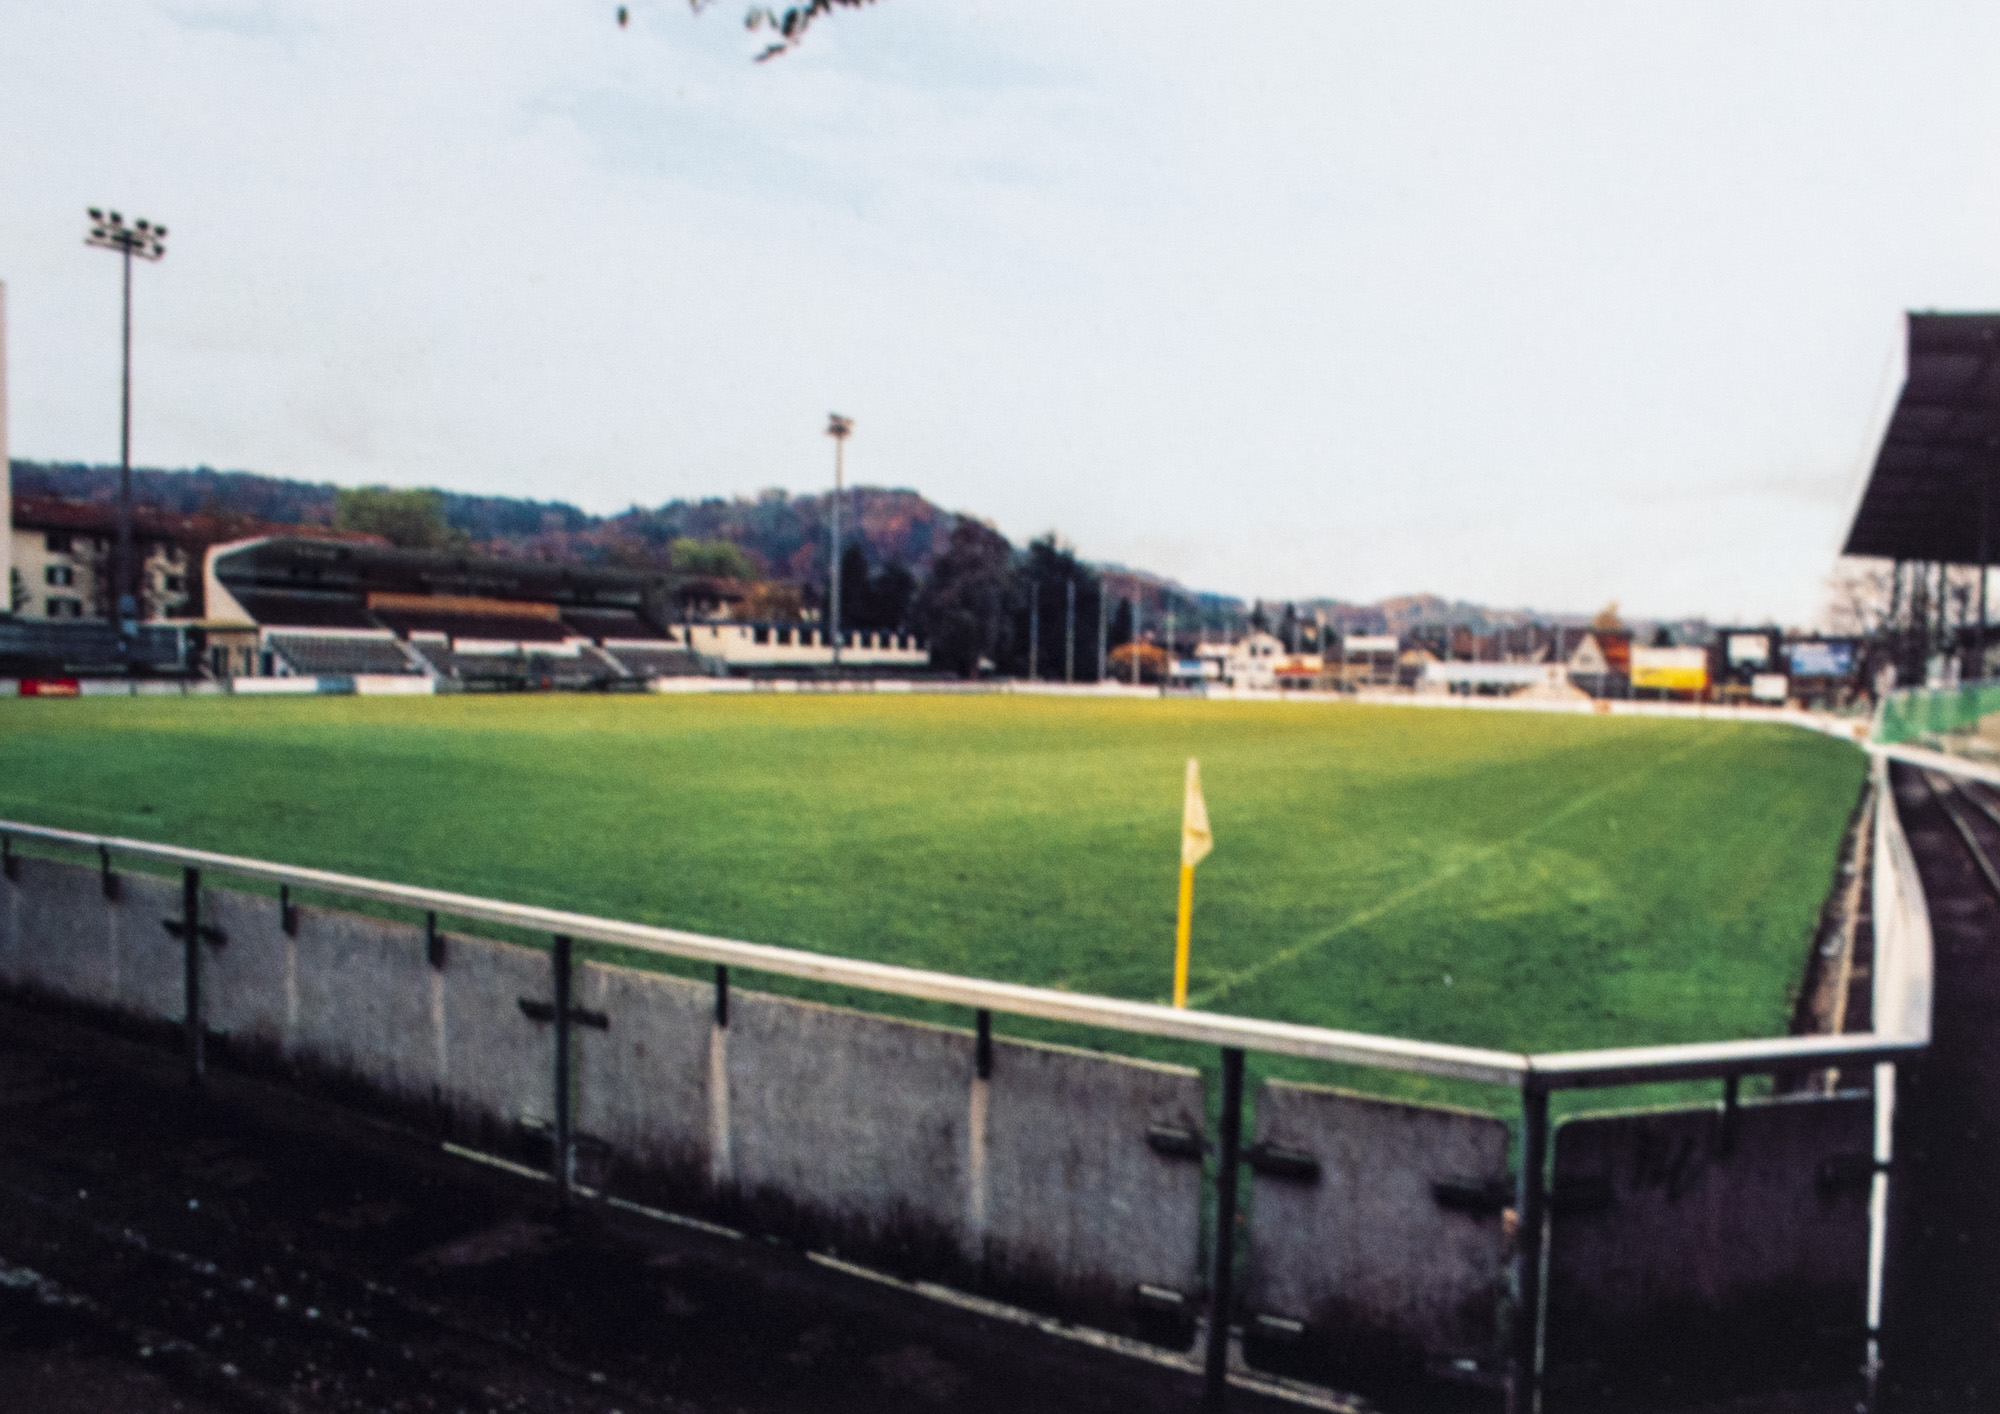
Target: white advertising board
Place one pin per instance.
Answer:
(1748, 649)
(1494, 674)
(1369, 643)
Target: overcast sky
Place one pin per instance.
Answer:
(1538, 304)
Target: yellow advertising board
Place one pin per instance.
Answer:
(1674, 669)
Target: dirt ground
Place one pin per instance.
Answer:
(1942, 1313)
(246, 1249)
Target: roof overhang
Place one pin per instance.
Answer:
(1932, 494)
(293, 563)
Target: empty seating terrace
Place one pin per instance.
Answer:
(649, 658)
(346, 652)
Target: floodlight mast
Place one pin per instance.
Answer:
(108, 231)
(838, 428)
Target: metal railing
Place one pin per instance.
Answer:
(1901, 989)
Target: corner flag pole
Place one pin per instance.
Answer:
(1196, 842)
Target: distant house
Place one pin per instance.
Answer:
(1601, 662)
(706, 597)
(1250, 662)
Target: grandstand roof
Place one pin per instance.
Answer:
(1931, 495)
(292, 563)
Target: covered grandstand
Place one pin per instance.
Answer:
(335, 610)
(473, 621)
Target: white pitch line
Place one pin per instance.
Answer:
(1206, 999)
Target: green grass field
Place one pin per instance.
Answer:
(1500, 879)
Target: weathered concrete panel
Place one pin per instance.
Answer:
(10, 933)
(150, 978)
(66, 935)
(1675, 1241)
(1079, 1210)
(849, 1130)
(356, 998)
(1391, 1256)
(499, 1064)
(642, 1087)
(13, 959)
(245, 981)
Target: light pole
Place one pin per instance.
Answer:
(1103, 625)
(1034, 626)
(1136, 642)
(108, 231)
(837, 427)
(1069, 635)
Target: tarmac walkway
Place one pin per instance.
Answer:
(1942, 1307)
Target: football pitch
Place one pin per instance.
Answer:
(1516, 880)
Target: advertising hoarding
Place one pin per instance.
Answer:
(1671, 669)
(1749, 650)
(1821, 659)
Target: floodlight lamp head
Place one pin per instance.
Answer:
(116, 219)
(96, 214)
(837, 426)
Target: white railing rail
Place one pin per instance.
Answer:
(1571, 1070)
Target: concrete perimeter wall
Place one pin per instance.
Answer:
(1377, 1256)
(1063, 1180)
(868, 1137)
(1684, 1237)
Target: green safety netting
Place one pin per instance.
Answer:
(1916, 713)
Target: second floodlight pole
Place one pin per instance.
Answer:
(122, 589)
(108, 231)
(837, 427)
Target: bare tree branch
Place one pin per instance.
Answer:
(788, 22)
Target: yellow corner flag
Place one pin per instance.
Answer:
(1196, 842)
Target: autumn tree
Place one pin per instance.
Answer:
(412, 518)
(961, 605)
(712, 559)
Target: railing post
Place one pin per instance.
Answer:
(191, 941)
(982, 1045)
(559, 958)
(1229, 1138)
(721, 995)
(1524, 1385)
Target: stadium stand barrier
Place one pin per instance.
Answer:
(1388, 1244)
